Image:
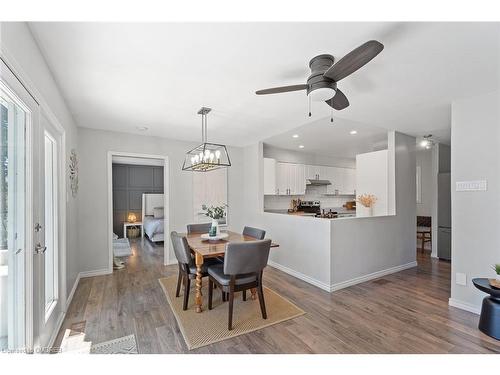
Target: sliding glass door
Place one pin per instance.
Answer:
(15, 117)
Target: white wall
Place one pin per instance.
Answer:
(21, 52)
(375, 245)
(475, 155)
(372, 178)
(93, 199)
(441, 155)
(424, 161)
(299, 157)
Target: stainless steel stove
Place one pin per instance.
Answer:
(312, 207)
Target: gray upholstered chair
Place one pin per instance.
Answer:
(187, 267)
(199, 228)
(254, 232)
(243, 266)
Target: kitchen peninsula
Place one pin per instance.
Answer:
(336, 253)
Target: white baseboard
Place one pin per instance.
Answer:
(343, 284)
(464, 306)
(72, 293)
(58, 326)
(101, 272)
(371, 276)
(299, 275)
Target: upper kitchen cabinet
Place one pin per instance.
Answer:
(343, 180)
(290, 179)
(349, 182)
(312, 172)
(270, 187)
(335, 176)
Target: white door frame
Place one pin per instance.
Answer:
(29, 86)
(61, 212)
(166, 199)
(31, 123)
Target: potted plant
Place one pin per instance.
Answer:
(215, 213)
(496, 268)
(368, 201)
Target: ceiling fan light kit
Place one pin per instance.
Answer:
(206, 156)
(427, 142)
(325, 73)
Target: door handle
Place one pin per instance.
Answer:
(39, 249)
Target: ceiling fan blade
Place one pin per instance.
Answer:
(354, 60)
(277, 90)
(339, 101)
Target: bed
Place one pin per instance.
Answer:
(153, 221)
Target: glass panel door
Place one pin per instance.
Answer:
(48, 308)
(51, 233)
(13, 120)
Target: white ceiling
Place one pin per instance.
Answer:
(121, 76)
(321, 137)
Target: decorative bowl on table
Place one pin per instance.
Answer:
(494, 283)
(218, 237)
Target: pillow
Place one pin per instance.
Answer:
(158, 212)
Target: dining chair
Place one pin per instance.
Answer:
(243, 266)
(254, 232)
(187, 267)
(199, 228)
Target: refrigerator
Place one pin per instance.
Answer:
(444, 216)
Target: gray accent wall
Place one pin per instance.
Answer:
(129, 183)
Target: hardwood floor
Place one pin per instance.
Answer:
(406, 312)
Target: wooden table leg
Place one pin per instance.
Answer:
(254, 293)
(198, 299)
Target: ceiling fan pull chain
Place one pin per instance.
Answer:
(309, 97)
(331, 116)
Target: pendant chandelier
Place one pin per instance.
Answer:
(207, 156)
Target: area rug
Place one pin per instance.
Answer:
(122, 345)
(210, 326)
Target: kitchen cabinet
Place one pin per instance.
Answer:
(343, 180)
(270, 187)
(349, 181)
(312, 172)
(282, 178)
(290, 179)
(335, 176)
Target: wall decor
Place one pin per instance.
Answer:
(73, 172)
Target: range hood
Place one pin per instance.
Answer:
(314, 182)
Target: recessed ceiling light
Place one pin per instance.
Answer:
(301, 146)
(352, 132)
(295, 136)
(142, 128)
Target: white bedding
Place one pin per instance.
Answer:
(121, 247)
(153, 227)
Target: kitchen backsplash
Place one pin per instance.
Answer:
(316, 193)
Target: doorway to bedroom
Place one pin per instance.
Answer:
(138, 209)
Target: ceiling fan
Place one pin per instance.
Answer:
(322, 83)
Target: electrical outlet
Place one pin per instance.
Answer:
(461, 279)
(471, 185)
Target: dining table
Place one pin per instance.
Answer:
(203, 249)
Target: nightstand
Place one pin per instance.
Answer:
(127, 224)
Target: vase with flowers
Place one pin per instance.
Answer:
(368, 201)
(215, 213)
